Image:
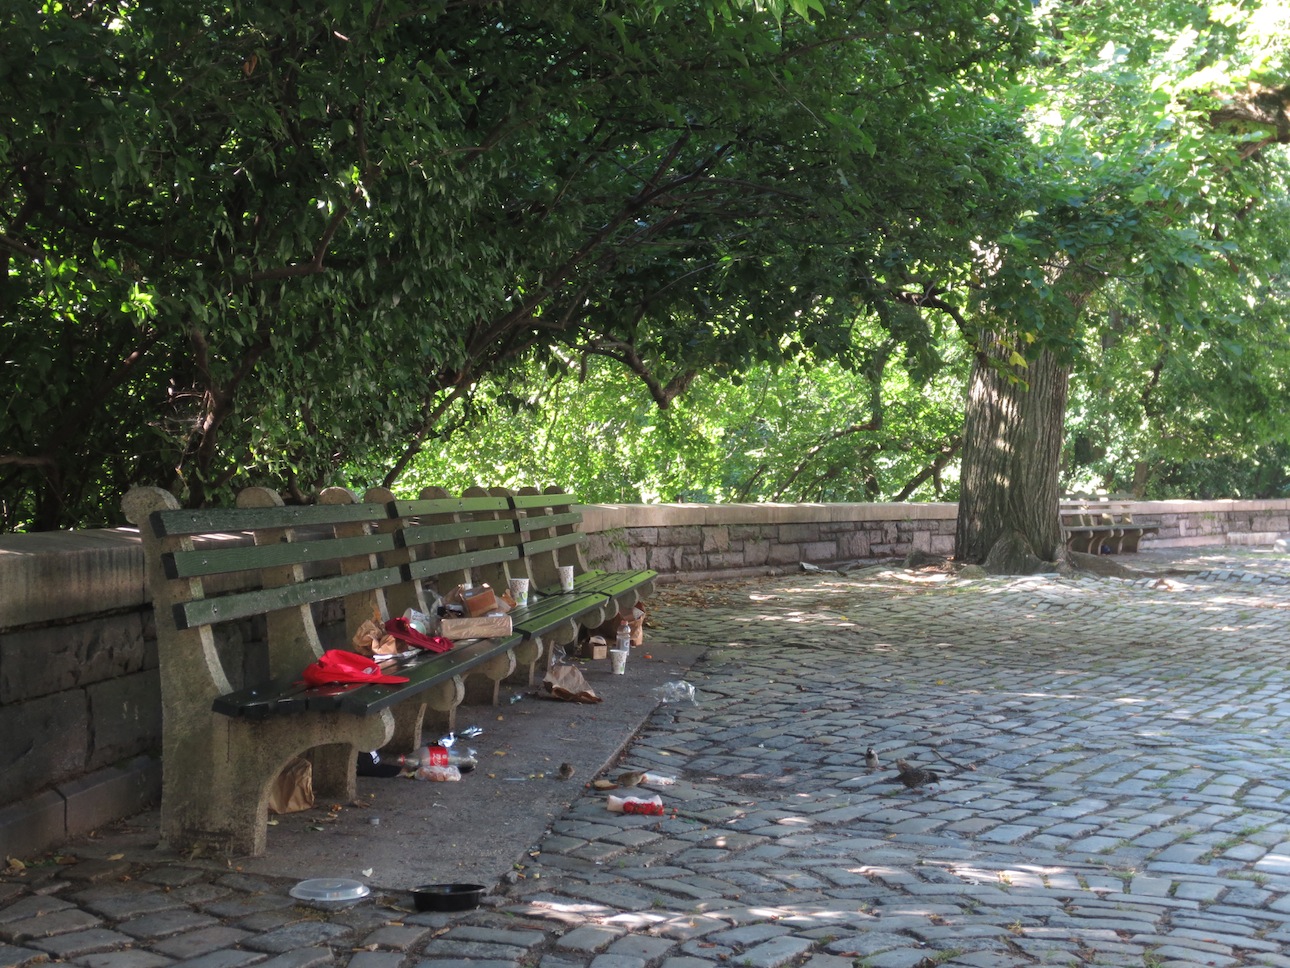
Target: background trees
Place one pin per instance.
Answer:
(255, 243)
(341, 242)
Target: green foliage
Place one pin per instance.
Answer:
(796, 432)
(254, 244)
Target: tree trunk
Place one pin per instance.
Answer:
(1012, 445)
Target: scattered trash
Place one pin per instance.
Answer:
(330, 890)
(675, 691)
(650, 807)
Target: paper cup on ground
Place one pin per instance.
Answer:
(618, 662)
(566, 578)
(520, 590)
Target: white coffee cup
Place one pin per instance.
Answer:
(520, 590)
(566, 578)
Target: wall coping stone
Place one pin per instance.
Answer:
(60, 575)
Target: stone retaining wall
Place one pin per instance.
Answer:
(80, 709)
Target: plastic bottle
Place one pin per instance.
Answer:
(463, 760)
(623, 642)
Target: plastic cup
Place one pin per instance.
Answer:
(566, 578)
(520, 590)
(618, 662)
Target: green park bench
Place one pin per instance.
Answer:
(1100, 524)
(234, 716)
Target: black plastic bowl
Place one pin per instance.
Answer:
(447, 897)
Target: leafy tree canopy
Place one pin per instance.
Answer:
(253, 242)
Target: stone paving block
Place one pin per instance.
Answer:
(376, 959)
(558, 961)
(63, 947)
(473, 951)
(301, 934)
(237, 906)
(126, 958)
(165, 923)
(203, 941)
(301, 958)
(775, 952)
(616, 961)
(226, 958)
(492, 935)
(14, 956)
(58, 921)
(640, 946)
(32, 906)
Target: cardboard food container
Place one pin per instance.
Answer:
(478, 601)
(595, 648)
(481, 627)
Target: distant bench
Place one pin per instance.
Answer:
(223, 745)
(1099, 525)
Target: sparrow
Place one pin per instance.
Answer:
(871, 759)
(565, 771)
(630, 779)
(915, 776)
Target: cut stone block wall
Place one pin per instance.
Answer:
(80, 709)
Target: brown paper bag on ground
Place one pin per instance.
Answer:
(293, 790)
(567, 683)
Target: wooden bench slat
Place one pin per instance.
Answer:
(556, 500)
(225, 608)
(444, 505)
(547, 521)
(283, 696)
(231, 520)
(535, 546)
(430, 567)
(420, 534)
(219, 561)
(608, 583)
(548, 613)
(424, 671)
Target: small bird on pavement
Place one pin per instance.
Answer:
(915, 776)
(871, 759)
(565, 771)
(630, 779)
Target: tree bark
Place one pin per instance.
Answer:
(1012, 444)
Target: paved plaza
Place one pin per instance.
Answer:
(1115, 787)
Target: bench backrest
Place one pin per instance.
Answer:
(375, 555)
(1095, 510)
(218, 565)
(549, 524)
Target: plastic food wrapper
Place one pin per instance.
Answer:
(655, 779)
(438, 774)
(675, 691)
(652, 806)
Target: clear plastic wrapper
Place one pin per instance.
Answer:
(438, 774)
(676, 691)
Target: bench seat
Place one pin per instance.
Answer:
(287, 695)
(1101, 525)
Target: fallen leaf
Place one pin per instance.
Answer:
(115, 856)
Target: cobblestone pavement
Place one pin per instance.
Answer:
(1115, 764)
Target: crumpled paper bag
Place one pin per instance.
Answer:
(567, 683)
(372, 639)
